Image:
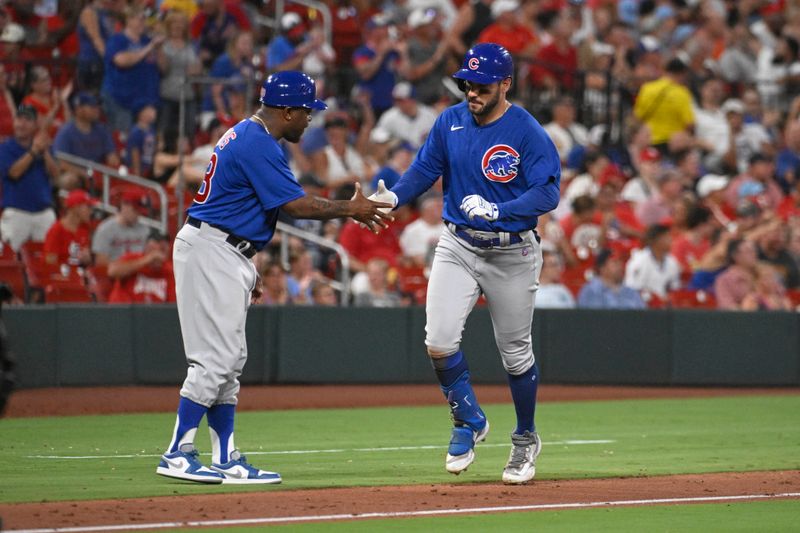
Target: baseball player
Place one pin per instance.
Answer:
(246, 183)
(500, 171)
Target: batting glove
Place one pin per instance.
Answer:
(384, 195)
(476, 206)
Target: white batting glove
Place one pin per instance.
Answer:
(384, 195)
(475, 205)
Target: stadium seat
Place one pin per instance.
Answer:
(692, 299)
(69, 288)
(794, 296)
(13, 274)
(32, 254)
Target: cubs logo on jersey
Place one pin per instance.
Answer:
(500, 163)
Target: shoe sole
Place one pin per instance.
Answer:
(463, 461)
(188, 477)
(522, 480)
(237, 481)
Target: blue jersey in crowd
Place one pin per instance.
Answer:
(511, 162)
(135, 86)
(105, 24)
(381, 83)
(95, 145)
(31, 192)
(144, 140)
(246, 182)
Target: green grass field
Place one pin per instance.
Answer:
(91, 457)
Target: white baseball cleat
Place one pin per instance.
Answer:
(460, 453)
(185, 465)
(238, 471)
(521, 465)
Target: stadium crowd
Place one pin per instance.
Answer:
(677, 122)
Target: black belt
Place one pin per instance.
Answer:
(478, 242)
(245, 247)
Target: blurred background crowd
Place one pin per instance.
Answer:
(677, 122)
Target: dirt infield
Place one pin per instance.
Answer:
(310, 505)
(111, 400)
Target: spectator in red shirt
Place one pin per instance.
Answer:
(8, 109)
(50, 103)
(690, 246)
(738, 281)
(67, 241)
(144, 277)
(363, 245)
(507, 31)
(557, 62)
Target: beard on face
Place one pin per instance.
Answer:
(488, 105)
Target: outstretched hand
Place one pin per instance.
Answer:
(372, 214)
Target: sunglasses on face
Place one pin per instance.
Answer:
(478, 88)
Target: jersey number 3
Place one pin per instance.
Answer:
(205, 188)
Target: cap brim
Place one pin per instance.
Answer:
(318, 105)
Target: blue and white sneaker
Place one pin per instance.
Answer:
(460, 453)
(239, 471)
(184, 464)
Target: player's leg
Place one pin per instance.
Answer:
(510, 279)
(181, 458)
(226, 459)
(452, 293)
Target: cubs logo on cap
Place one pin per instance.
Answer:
(474, 63)
(500, 163)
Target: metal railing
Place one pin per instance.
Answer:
(106, 174)
(343, 286)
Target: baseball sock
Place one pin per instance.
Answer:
(220, 425)
(189, 416)
(453, 374)
(523, 392)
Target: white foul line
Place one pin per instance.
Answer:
(401, 514)
(332, 450)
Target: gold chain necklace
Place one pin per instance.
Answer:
(258, 119)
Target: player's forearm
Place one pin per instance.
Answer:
(318, 208)
(411, 184)
(534, 202)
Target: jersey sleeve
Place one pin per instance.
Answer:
(542, 169)
(270, 176)
(428, 165)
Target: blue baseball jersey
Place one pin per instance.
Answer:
(246, 182)
(511, 162)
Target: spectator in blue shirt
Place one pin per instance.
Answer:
(131, 77)
(84, 136)
(27, 168)
(234, 65)
(401, 154)
(140, 151)
(605, 290)
(376, 62)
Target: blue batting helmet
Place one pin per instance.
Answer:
(486, 63)
(290, 88)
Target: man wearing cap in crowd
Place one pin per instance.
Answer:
(711, 192)
(121, 233)
(27, 168)
(407, 119)
(67, 241)
(640, 189)
(144, 277)
(86, 137)
(758, 183)
(400, 155)
(425, 58)
(376, 61)
(745, 139)
(288, 50)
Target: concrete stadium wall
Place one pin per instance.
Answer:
(74, 345)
